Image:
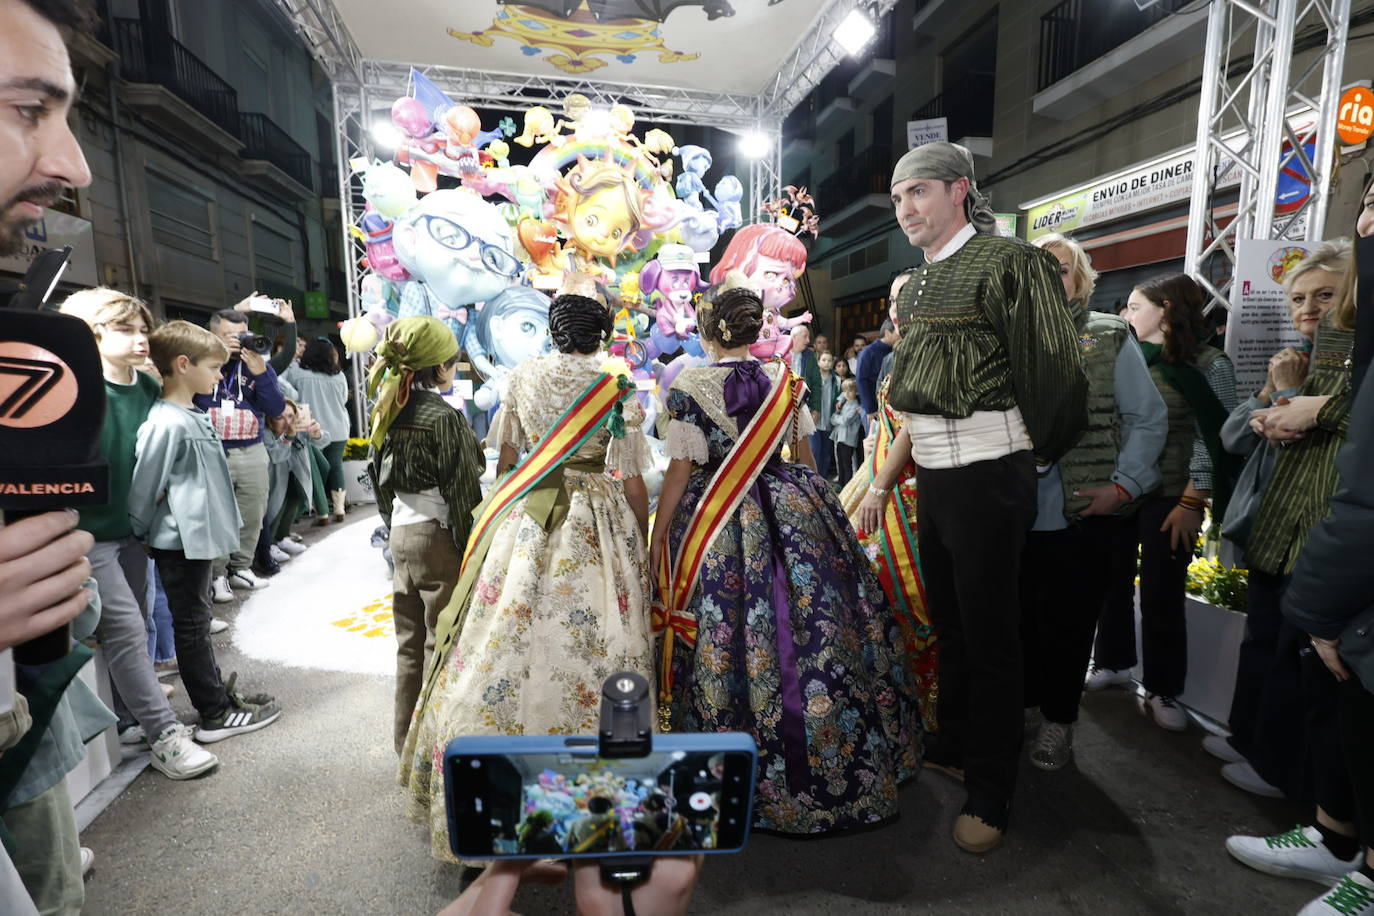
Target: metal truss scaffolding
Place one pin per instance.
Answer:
(364, 90)
(1251, 101)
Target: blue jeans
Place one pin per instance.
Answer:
(161, 644)
(824, 451)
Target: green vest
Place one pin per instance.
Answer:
(1090, 463)
(1178, 446)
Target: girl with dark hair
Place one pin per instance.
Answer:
(320, 384)
(788, 635)
(554, 597)
(1198, 384)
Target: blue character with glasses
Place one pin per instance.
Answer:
(459, 249)
(506, 331)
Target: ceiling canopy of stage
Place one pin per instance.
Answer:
(688, 49)
(732, 63)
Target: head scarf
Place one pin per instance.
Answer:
(409, 344)
(940, 161)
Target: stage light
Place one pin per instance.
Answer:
(755, 145)
(855, 31)
(596, 122)
(385, 134)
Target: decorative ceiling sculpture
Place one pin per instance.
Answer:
(576, 41)
(607, 10)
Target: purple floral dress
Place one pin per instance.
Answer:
(796, 644)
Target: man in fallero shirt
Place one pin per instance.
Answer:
(996, 304)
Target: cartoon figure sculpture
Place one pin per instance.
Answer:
(508, 329)
(696, 162)
(771, 259)
(452, 144)
(601, 207)
(389, 193)
(729, 193)
(459, 250)
(669, 284)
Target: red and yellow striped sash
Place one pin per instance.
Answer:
(896, 540)
(678, 576)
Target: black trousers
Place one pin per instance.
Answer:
(846, 460)
(971, 527)
(1357, 738)
(1163, 625)
(187, 584)
(1064, 579)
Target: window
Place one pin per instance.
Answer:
(182, 217)
(844, 149)
(861, 259)
(274, 255)
(882, 122)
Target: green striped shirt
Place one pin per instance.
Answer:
(1305, 476)
(430, 445)
(988, 328)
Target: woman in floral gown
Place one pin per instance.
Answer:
(554, 612)
(794, 641)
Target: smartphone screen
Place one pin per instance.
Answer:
(557, 805)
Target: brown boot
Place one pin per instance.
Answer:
(336, 498)
(973, 834)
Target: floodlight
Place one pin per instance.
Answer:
(596, 121)
(855, 31)
(755, 145)
(385, 134)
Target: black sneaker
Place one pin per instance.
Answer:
(238, 718)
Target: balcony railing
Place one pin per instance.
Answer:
(967, 105)
(1077, 32)
(150, 55)
(865, 174)
(263, 139)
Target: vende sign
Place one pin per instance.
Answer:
(1355, 116)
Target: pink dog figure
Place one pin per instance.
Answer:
(669, 282)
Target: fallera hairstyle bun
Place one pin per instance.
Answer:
(578, 324)
(733, 315)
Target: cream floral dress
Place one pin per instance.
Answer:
(552, 615)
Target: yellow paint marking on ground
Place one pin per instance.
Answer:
(372, 620)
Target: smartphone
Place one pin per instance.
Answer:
(263, 304)
(551, 796)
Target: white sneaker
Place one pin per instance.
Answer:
(1219, 747)
(245, 578)
(1167, 714)
(1243, 776)
(131, 735)
(290, 546)
(217, 625)
(1299, 853)
(87, 860)
(176, 756)
(220, 590)
(1353, 895)
(1102, 678)
(276, 553)
(1053, 746)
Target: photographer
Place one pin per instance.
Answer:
(247, 393)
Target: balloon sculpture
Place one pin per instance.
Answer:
(453, 229)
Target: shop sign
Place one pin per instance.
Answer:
(316, 304)
(929, 130)
(1259, 326)
(1146, 187)
(54, 230)
(1006, 224)
(1355, 116)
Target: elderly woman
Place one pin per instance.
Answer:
(1085, 503)
(1269, 681)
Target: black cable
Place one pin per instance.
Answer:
(627, 900)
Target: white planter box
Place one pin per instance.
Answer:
(356, 482)
(1214, 637)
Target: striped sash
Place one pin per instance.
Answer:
(899, 565)
(678, 576)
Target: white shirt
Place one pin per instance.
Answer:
(960, 238)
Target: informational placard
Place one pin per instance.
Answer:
(1259, 325)
(1006, 224)
(54, 230)
(929, 130)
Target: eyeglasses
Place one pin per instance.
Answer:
(455, 238)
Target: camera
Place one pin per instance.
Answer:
(258, 343)
(619, 796)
